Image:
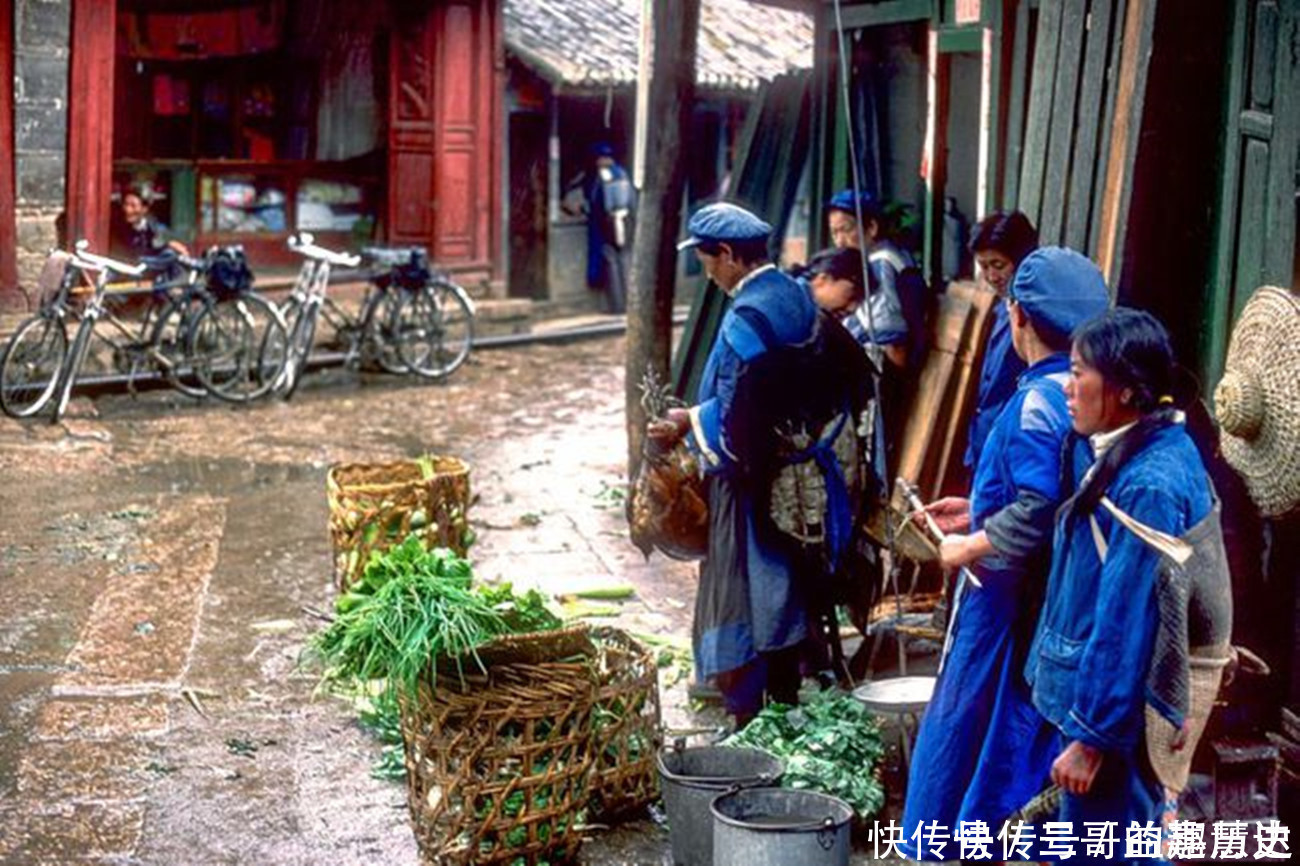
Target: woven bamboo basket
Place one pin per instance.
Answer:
(376, 505)
(625, 727)
(498, 764)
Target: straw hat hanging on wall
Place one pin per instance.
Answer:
(1258, 400)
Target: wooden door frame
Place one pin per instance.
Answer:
(90, 120)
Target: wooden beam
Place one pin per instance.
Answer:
(1040, 109)
(10, 297)
(1083, 164)
(1060, 143)
(1015, 132)
(1214, 343)
(90, 122)
(1108, 120)
(1134, 61)
(887, 12)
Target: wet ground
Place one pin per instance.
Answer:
(159, 564)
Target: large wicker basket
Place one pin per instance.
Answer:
(376, 505)
(625, 727)
(498, 765)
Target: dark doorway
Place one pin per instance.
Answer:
(528, 219)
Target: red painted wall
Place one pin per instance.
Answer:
(90, 121)
(10, 297)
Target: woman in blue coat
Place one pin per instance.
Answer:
(1089, 663)
(980, 753)
(1000, 243)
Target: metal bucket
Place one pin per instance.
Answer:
(780, 827)
(691, 778)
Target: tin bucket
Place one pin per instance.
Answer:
(779, 827)
(691, 778)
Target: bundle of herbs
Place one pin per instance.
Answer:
(829, 744)
(414, 607)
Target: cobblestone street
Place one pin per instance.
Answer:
(159, 561)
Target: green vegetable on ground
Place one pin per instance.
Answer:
(830, 744)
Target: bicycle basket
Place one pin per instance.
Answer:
(228, 271)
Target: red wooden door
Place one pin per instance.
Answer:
(443, 157)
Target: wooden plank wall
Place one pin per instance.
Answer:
(1084, 115)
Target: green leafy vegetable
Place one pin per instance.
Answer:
(410, 607)
(830, 744)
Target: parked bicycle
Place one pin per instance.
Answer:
(38, 365)
(410, 319)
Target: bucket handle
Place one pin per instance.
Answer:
(826, 834)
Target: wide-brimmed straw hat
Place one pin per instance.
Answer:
(1258, 400)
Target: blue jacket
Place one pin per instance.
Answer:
(1089, 659)
(997, 383)
(1017, 485)
(769, 309)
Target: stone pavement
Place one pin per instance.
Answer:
(160, 560)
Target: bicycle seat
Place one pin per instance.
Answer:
(392, 257)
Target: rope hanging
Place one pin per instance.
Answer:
(856, 181)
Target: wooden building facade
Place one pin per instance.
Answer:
(1159, 137)
(247, 120)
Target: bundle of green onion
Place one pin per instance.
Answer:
(411, 608)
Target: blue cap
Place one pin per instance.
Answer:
(850, 202)
(724, 222)
(1059, 290)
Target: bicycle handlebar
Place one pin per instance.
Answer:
(304, 245)
(84, 258)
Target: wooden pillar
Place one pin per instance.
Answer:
(90, 121)
(444, 150)
(10, 297)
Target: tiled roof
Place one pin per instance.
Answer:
(593, 43)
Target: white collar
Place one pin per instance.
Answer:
(749, 276)
(1102, 442)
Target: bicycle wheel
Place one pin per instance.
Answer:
(434, 330)
(381, 330)
(30, 364)
(299, 350)
(76, 356)
(243, 344)
(169, 350)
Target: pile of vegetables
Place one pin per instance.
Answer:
(829, 744)
(412, 606)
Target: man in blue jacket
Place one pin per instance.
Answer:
(751, 611)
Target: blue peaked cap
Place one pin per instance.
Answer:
(723, 222)
(1059, 290)
(845, 200)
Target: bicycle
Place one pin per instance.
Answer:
(433, 326)
(237, 344)
(37, 364)
(403, 322)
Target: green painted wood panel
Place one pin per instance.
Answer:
(1015, 131)
(1083, 163)
(1218, 294)
(1040, 109)
(1279, 247)
(1060, 143)
(1251, 219)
